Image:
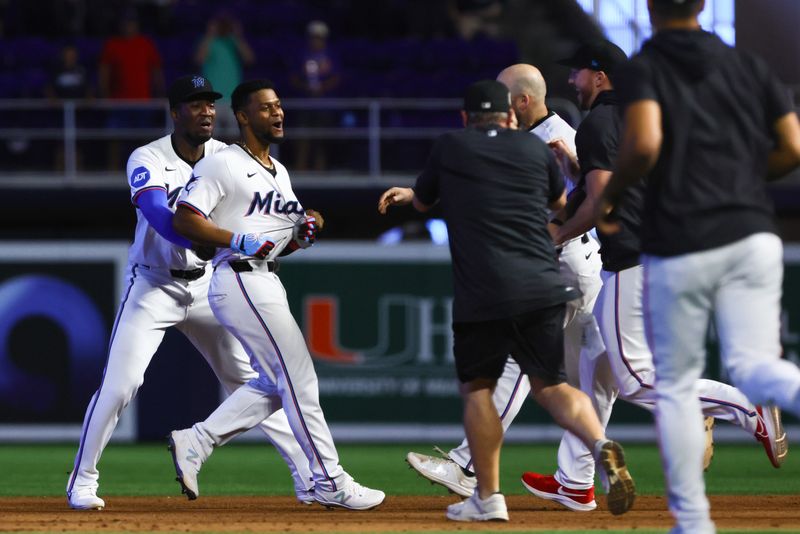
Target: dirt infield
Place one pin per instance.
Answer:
(397, 514)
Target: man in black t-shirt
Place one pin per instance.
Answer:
(495, 186)
(705, 123)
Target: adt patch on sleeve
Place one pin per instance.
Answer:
(139, 176)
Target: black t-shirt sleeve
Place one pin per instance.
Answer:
(633, 82)
(426, 189)
(597, 141)
(777, 98)
(555, 179)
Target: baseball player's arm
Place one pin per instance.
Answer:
(154, 206)
(400, 196)
(638, 152)
(583, 219)
(785, 157)
(197, 229)
(566, 158)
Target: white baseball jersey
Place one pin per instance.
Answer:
(235, 191)
(552, 128)
(158, 166)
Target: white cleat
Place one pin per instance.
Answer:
(351, 495)
(306, 496)
(443, 471)
(85, 498)
(187, 462)
(492, 508)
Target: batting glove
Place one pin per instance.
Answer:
(256, 245)
(305, 232)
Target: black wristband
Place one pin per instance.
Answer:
(557, 222)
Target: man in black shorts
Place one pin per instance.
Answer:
(706, 124)
(495, 185)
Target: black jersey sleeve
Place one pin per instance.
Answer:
(634, 82)
(597, 141)
(426, 189)
(555, 178)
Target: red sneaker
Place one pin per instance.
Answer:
(546, 487)
(771, 434)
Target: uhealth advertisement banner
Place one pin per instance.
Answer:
(376, 320)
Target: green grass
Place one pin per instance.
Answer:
(252, 469)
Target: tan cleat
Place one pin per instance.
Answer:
(771, 434)
(617, 481)
(708, 428)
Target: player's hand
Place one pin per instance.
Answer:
(305, 231)
(567, 161)
(204, 252)
(257, 245)
(605, 222)
(318, 216)
(396, 196)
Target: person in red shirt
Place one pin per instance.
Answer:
(129, 69)
(130, 65)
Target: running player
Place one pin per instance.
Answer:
(241, 200)
(706, 124)
(167, 286)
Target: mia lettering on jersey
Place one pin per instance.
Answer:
(273, 203)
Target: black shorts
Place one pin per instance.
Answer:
(534, 339)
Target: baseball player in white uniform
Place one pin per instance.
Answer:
(168, 286)
(241, 200)
(579, 263)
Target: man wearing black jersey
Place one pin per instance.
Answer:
(708, 236)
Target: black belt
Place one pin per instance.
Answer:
(243, 266)
(193, 274)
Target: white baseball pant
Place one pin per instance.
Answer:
(153, 302)
(740, 284)
(253, 307)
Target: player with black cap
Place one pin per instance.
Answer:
(167, 285)
(495, 186)
(706, 124)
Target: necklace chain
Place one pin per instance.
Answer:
(268, 165)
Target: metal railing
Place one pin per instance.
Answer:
(373, 121)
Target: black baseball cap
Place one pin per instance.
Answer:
(596, 55)
(487, 95)
(191, 87)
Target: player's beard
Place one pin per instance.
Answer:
(267, 137)
(198, 139)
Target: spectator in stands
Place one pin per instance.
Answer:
(316, 75)
(69, 78)
(130, 65)
(476, 17)
(130, 69)
(222, 54)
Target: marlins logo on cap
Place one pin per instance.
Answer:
(191, 87)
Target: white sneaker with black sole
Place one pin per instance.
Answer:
(186, 458)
